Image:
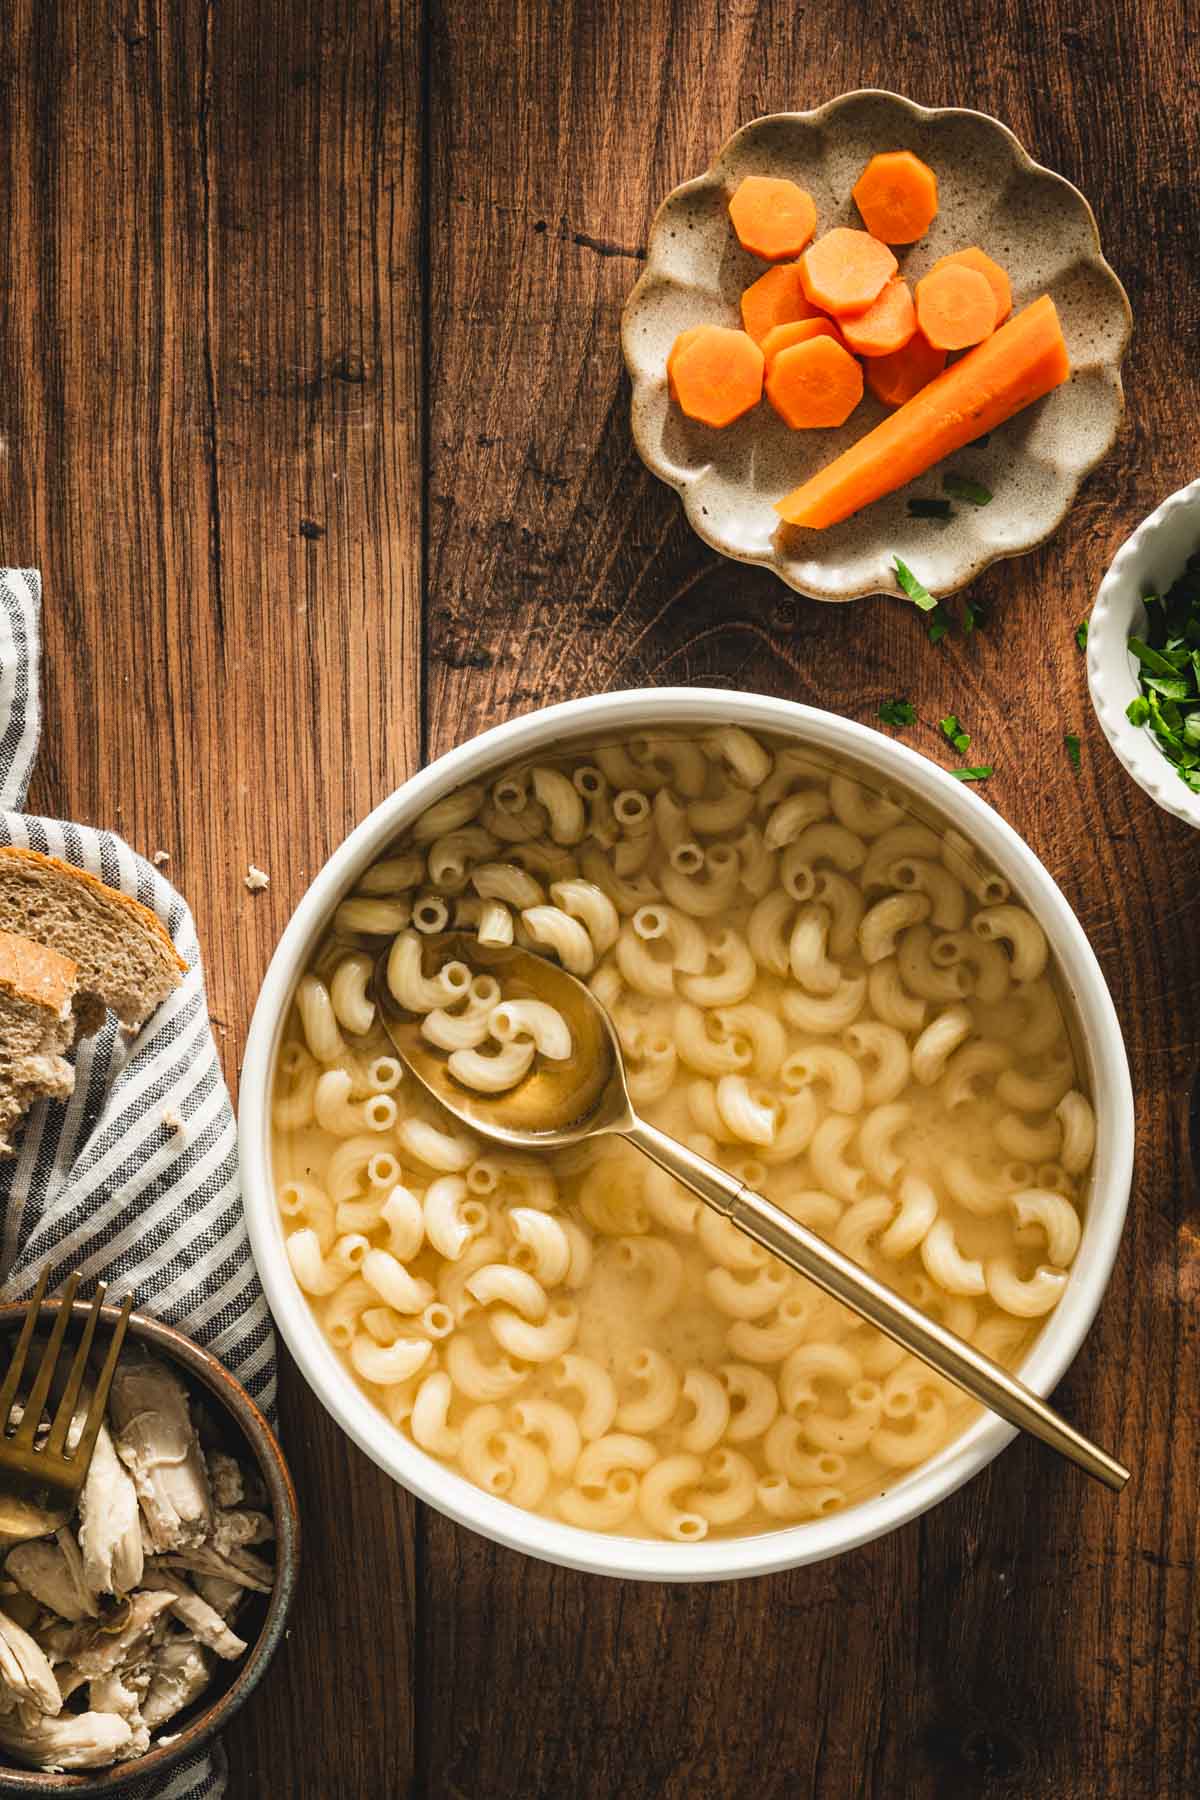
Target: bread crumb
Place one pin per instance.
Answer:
(256, 879)
(174, 1121)
(160, 857)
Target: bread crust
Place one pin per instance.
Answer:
(35, 973)
(137, 912)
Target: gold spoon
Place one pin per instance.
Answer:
(559, 1103)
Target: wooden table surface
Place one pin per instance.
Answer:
(312, 415)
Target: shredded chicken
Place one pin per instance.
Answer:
(157, 1444)
(51, 1570)
(24, 1668)
(88, 1740)
(237, 1565)
(228, 1488)
(201, 1619)
(180, 1672)
(110, 1533)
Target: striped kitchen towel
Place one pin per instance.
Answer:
(134, 1179)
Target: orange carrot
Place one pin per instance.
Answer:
(815, 383)
(776, 298)
(896, 378)
(772, 218)
(1015, 366)
(955, 307)
(897, 195)
(886, 326)
(845, 271)
(715, 374)
(993, 274)
(782, 337)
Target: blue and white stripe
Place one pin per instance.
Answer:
(102, 1183)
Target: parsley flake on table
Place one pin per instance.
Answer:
(898, 712)
(939, 624)
(1071, 740)
(951, 729)
(980, 773)
(916, 590)
(1081, 634)
(930, 509)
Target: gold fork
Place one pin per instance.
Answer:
(39, 1487)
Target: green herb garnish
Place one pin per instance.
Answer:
(974, 615)
(898, 712)
(916, 590)
(980, 773)
(952, 731)
(939, 624)
(1072, 742)
(930, 509)
(961, 487)
(1081, 631)
(1168, 656)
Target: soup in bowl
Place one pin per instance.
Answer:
(832, 972)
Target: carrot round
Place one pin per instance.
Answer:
(897, 195)
(772, 217)
(1015, 366)
(799, 331)
(845, 271)
(814, 384)
(715, 374)
(975, 258)
(896, 378)
(886, 326)
(955, 307)
(776, 298)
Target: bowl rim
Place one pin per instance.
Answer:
(721, 1558)
(1112, 681)
(229, 1394)
(652, 273)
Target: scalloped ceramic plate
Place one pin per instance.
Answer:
(991, 193)
(1147, 563)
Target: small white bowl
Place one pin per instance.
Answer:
(614, 717)
(1147, 563)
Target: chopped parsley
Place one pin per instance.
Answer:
(939, 624)
(930, 509)
(1071, 740)
(974, 615)
(961, 487)
(1081, 634)
(980, 773)
(898, 712)
(916, 590)
(952, 731)
(1169, 672)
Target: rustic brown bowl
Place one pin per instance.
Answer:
(248, 1435)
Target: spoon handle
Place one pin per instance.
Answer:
(833, 1272)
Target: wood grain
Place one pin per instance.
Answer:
(312, 414)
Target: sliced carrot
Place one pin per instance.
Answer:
(814, 384)
(975, 258)
(799, 331)
(1015, 366)
(886, 326)
(896, 378)
(845, 271)
(955, 307)
(776, 298)
(897, 195)
(716, 375)
(772, 218)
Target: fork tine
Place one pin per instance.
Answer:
(95, 1417)
(24, 1434)
(56, 1442)
(16, 1368)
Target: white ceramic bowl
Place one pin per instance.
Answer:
(714, 1559)
(1147, 563)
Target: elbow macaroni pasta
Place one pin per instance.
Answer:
(837, 1001)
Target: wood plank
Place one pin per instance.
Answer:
(1028, 1636)
(210, 401)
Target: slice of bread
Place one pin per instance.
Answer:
(37, 1023)
(126, 959)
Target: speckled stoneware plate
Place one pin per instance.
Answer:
(990, 193)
